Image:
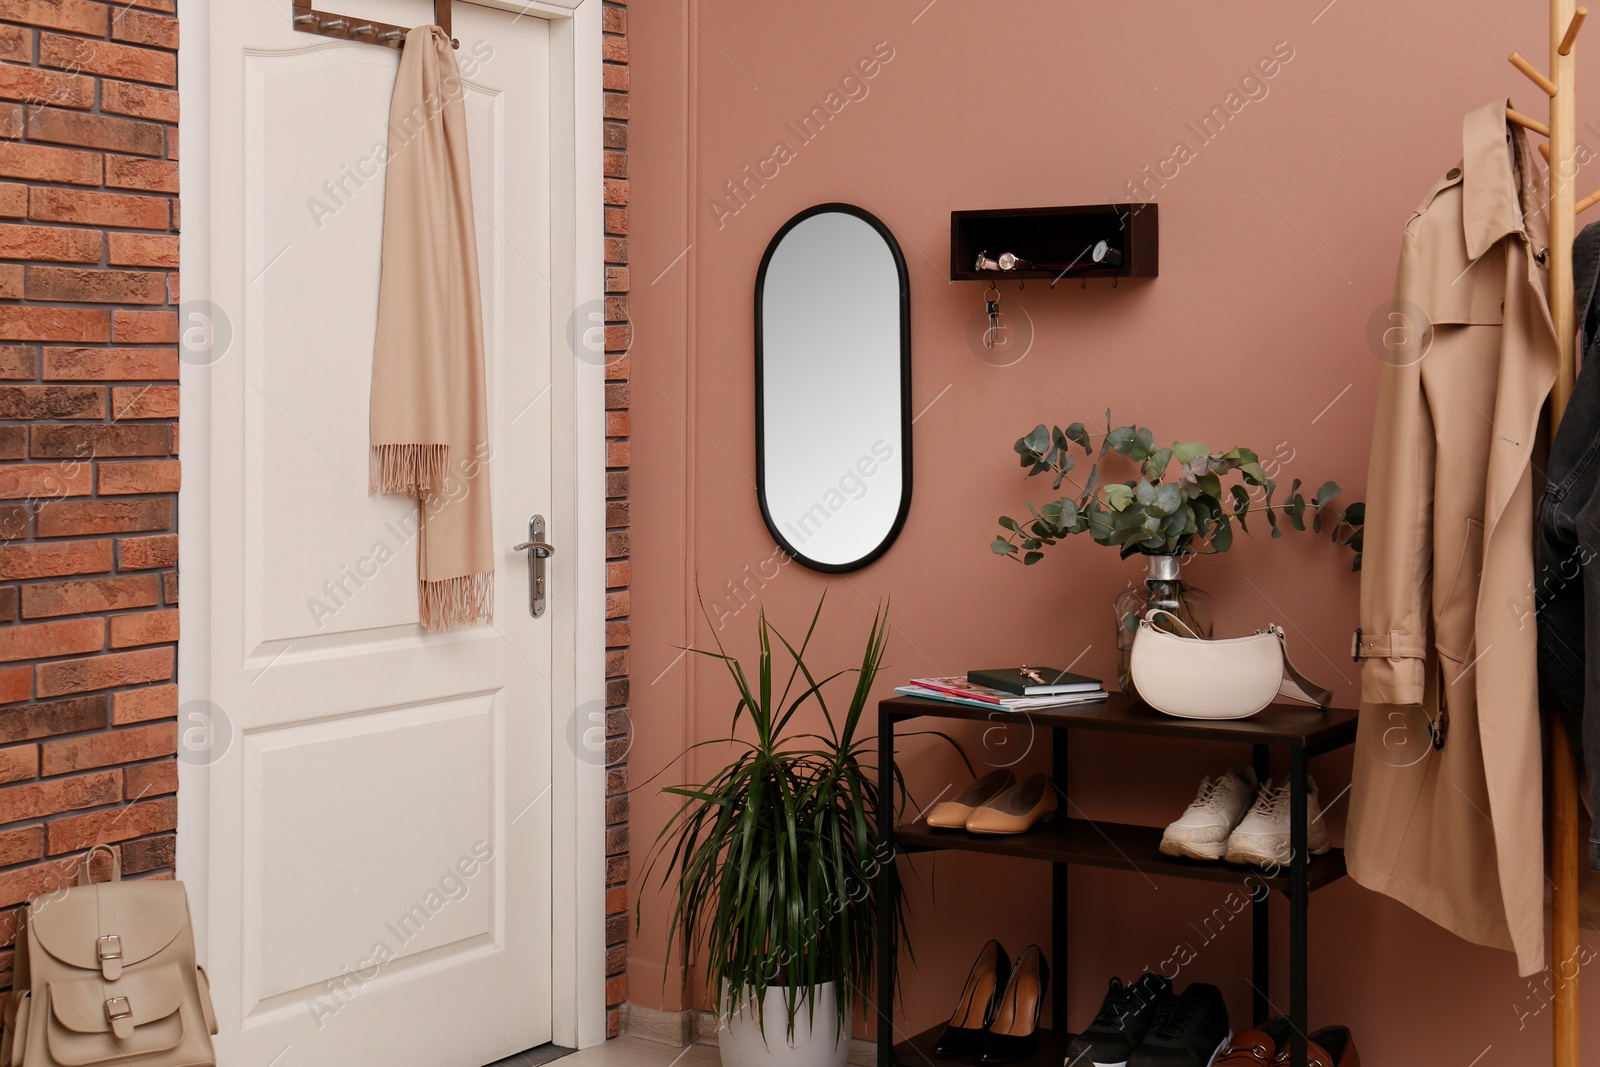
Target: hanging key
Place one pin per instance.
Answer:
(992, 307)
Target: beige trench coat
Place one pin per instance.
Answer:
(1447, 639)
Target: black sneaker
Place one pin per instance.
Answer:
(1124, 1018)
(1188, 1031)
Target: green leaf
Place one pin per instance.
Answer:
(1090, 482)
(1222, 535)
(1253, 473)
(1156, 465)
(1008, 523)
(1168, 500)
(1210, 485)
(1038, 441)
(1327, 492)
(1183, 453)
(1001, 547)
(1118, 496)
(1355, 514)
(1065, 464)
(1144, 493)
(1079, 434)
(1143, 445)
(1120, 439)
(1031, 558)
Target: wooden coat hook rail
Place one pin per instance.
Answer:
(1563, 48)
(325, 23)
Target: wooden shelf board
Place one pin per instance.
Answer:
(1279, 725)
(1114, 846)
(917, 1051)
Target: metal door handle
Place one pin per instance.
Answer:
(538, 551)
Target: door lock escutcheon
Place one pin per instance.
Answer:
(538, 551)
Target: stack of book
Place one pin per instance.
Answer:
(1009, 688)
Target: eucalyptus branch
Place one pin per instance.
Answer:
(1150, 513)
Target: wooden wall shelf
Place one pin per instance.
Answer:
(1056, 235)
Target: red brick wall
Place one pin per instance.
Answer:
(619, 339)
(88, 440)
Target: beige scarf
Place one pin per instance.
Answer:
(430, 425)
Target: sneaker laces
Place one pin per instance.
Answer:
(1111, 1008)
(1174, 1017)
(1211, 796)
(1274, 801)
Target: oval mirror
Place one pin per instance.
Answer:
(833, 388)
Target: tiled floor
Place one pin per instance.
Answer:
(622, 1052)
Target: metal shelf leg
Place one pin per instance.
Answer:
(888, 949)
(1299, 899)
(1260, 928)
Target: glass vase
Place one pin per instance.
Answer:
(1163, 587)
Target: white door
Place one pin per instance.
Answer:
(378, 798)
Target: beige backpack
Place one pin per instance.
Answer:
(105, 974)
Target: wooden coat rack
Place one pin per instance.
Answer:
(326, 24)
(1561, 87)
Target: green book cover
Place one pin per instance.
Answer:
(1034, 681)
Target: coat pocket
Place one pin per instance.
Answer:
(1455, 610)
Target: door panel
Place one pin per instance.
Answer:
(380, 827)
(313, 889)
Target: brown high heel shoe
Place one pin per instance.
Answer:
(1016, 810)
(980, 999)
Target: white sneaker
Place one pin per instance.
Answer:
(1262, 839)
(1202, 832)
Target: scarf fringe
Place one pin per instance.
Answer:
(462, 601)
(407, 468)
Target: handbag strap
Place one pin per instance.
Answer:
(84, 875)
(1296, 687)
(1173, 621)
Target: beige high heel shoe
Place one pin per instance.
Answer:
(1016, 810)
(953, 814)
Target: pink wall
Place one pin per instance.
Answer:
(1278, 239)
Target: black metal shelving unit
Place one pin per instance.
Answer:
(1302, 732)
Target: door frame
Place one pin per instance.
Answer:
(577, 897)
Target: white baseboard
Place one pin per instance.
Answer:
(681, 1028)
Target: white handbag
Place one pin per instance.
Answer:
(1184, 675)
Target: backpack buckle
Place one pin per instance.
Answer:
(120, 1014)
(108, 949)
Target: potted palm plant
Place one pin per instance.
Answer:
(772, 860)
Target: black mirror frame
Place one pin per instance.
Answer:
(905, 391)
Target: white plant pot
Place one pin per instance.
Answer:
(817, 1040)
